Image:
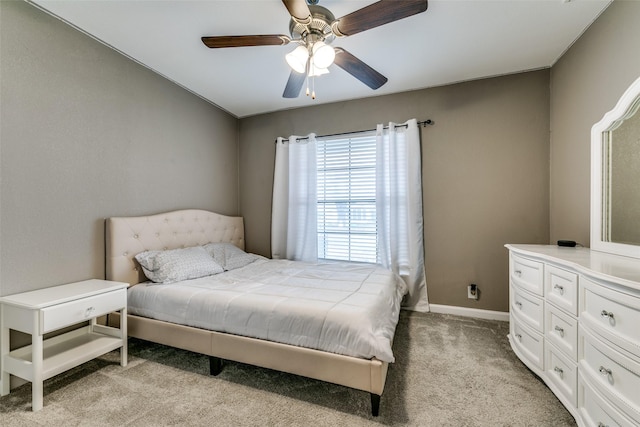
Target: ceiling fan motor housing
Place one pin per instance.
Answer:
(318, 30)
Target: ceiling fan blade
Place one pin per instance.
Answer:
(359, 69)
(294, 85)
(242, 41)
(376, 14)
(299, 10)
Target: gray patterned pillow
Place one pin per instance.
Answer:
(178, 264)
(229, 256)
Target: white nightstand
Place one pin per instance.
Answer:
(46, 310)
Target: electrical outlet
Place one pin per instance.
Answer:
(472, 291)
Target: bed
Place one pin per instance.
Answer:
(127, 237)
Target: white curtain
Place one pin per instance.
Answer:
(294, 212)
(399, 208)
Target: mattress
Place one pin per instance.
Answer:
(343, 308)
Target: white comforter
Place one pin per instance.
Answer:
(349, 309)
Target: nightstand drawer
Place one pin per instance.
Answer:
(69, 313)
(527, 308)
(527, 274)
(561, 288)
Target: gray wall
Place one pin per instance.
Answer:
(86, 134)
(586, 83)
(485, 174)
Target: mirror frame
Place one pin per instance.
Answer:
(611, 120)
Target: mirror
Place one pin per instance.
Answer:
(615, 177)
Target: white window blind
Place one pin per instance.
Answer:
(347, 198)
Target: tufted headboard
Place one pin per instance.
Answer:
(127, 236)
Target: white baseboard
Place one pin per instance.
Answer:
(469, 312)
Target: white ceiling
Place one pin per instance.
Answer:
(452, 41)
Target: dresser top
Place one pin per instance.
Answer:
(47, 297)
(600, 265)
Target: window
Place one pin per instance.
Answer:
(347, 198)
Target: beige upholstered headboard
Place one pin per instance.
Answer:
(128, 236)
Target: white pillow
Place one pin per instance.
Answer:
(229, 256)
(178, 264)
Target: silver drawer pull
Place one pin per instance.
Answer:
(559, 330)
(601, 424)
(604, 371)
(605, 313)
(519, 337)
(518, 304)
(518, 273)
(559, 371)
(559, 288)
(89, 311)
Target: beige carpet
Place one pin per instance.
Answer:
(449, 371)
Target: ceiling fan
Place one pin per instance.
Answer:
(314, 28)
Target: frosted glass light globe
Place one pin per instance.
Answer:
(323, 54)
(297, 59)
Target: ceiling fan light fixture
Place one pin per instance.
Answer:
(297, 59)
(314, 28)
(323, 54)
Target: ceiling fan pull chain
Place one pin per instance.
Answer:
(313, 87)
(306, 78)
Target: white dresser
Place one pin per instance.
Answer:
(46, 310)
(575, 322)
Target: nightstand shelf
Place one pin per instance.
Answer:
(61, 353)
(50, 309)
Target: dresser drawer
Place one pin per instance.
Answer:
(529, 344)
(61, 315)
(527, 274)
(612, 314)
(562, 373)
(527, 308)
(561, 330)
(615, 375)
(596, 411)
(561, 288)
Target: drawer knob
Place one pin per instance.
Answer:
(559, 330)
(519, 337)
(518, 273)
(559, 371)
(89, 311)
(606, 314)
(559, 288)
(601, 424)
(605, 371)
(518, 304)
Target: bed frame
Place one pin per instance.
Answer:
(127, 236)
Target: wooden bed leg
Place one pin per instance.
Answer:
(375, 404)
(215, 365)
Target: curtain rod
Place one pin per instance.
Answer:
(424, 123)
